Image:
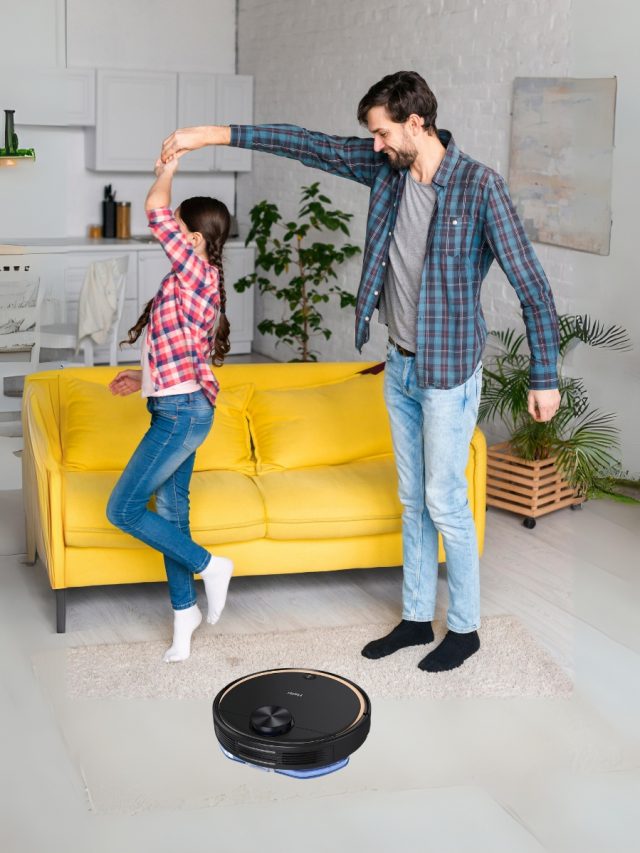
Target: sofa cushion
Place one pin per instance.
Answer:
(99, 432)
(329, 502)
(320, 425)
(228, 445)
(225, 507)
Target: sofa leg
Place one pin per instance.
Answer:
(61, 610)
(30, 541)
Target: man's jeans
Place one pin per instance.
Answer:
(162, 464)
(432, 430)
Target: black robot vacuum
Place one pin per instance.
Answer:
(298, 722)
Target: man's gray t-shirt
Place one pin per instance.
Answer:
(398, 305)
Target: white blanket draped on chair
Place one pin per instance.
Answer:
(98, 305)
(99, 311)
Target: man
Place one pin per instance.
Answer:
(437, 220)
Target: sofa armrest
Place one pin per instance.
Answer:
(479, 484)
(42, 479)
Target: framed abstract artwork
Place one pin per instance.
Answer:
(561, 160)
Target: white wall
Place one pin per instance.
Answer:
(58, 196)
(312, 63)
(604, 43)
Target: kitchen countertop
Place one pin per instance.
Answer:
(43, 245)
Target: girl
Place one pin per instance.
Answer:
(183, 326)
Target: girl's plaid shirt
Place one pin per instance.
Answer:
(183, 312)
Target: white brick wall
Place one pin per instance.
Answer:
(313, 61)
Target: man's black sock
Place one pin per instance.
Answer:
(452, 652)
(405, 634)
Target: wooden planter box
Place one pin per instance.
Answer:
(529, 488)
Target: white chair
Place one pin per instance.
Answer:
(65, 335)
(20, 306)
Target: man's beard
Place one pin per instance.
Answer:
(402, 159)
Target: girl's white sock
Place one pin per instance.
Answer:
(185, 623)
(216, 576)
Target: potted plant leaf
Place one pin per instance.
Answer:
(574, 456)
(287, 249)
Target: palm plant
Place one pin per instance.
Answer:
(582, 439)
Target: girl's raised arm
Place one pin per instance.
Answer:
(159, 194)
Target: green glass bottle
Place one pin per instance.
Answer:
(10, 136)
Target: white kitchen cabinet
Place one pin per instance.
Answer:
(219, 99)
(52, 97)
(193, 35)
(135, 111)
(153, 265)
(197, 106)
(33, 34)
(234, 105)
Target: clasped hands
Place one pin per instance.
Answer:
(191, 138)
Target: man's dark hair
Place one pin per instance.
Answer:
(402, 93)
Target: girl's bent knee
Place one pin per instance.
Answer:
(117, 516)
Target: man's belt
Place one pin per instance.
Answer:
(405, 352)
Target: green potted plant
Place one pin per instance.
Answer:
(11, 153)
(546, 466)
(309, 266)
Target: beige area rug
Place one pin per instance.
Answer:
(509, 663)
(139, 732)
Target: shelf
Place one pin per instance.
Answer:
(7, 161)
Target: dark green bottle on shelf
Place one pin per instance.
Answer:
(10, 136)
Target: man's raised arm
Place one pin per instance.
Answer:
(349, 157)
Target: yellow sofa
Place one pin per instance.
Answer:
(297, 474)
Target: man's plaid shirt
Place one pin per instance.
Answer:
(473, 222)
(183, 312)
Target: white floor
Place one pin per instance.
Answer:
(512, 775)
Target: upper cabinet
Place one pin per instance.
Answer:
(33, 35)
(191, 35)
(54, 97)
(215, 99)
(197, 105)
(136, 110)
(234, 105)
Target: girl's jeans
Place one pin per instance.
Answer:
(162, 464)
(432, 430)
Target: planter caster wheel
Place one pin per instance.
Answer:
(575, 507)
(529, 523)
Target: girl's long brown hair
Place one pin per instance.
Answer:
(211, 218)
